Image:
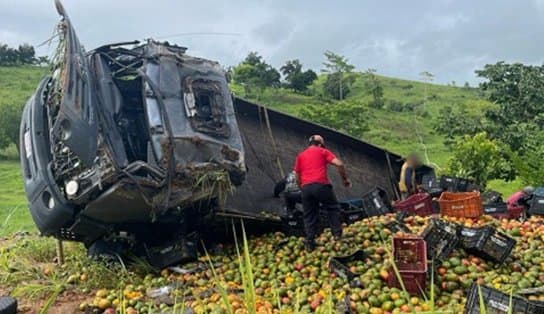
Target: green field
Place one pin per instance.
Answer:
(16, 85)
(14, 214)
(395, 131)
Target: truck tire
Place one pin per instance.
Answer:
(8, 305)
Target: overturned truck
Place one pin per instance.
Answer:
(140, 146)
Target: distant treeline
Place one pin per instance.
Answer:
(24, 54)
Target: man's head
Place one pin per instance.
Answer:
(413, 159)
(316, 140)
(528, 190)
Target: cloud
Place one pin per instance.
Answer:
(398, 38)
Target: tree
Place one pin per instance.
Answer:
(332, 83)
(518, 91)
(480, 158)
(530, 166)
(348, 117)
(26, 54)
(453, 122)
(297, 79)
(375, 88)
(255, 72)
(339, 74)
(10, 117)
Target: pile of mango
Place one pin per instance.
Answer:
(287, 279)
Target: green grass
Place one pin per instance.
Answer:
(18, 83)
(14, 213)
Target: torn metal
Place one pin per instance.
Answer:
(127, 133)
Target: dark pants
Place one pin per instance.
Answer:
(291, 200)
(312, 196)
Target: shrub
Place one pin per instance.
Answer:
(480, 158)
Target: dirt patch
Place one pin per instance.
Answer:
(67, 302)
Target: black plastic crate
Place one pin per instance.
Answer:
(352, 210)
(491, 197)
(431, 185)
(376, 203)
(537, 205)
(441, 238)
(470, 238)
(396, 226)
(496, 209)
(539, 191)
(340, 266)
(292, 225)
(497, 302)
(487, 243)
(453, 184)
(496, 246)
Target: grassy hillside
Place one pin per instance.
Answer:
(18, 83)
(395, 131)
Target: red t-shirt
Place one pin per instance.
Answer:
(311, 165)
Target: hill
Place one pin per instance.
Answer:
(396, 126)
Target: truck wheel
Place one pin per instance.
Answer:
(8, 305)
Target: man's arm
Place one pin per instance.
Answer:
(341, 171)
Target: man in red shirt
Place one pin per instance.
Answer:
(311, 171)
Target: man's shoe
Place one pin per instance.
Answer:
(309, 246)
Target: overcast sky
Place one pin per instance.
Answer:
(398, 38)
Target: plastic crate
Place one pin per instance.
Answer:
(376, 203)
(396, 226)
(515, 212)
(340, 266)
(410, 253)
(453, 184)
(470, 238)
(441, 239)
(352, 210)
(415, 282)
(537, 205)
(418, 204)
(495, 246)
(467, 204)
(431, 185)
(487, 243)
(498, 302)
(498, 210)
(292, 225)
(491, 197)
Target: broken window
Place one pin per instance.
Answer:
(204, 106)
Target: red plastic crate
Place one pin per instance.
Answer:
(410, 253)
(514, 212)
(414, 282)
(418, 204)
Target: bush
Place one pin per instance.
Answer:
(395, 106)
(10, 117)
(530, 165)
(481, 159)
